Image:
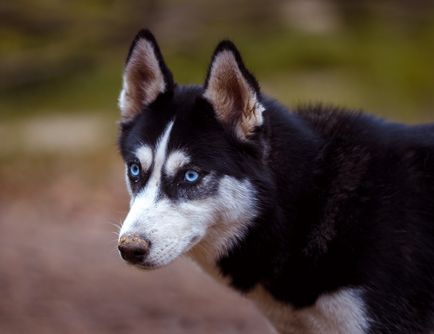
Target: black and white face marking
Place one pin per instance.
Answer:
(182, 147)
(176, 204)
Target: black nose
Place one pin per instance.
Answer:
(133, 248)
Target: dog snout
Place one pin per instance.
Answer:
(133, 248)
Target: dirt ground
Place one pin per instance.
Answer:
(59, 267)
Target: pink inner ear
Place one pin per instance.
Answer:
(234, 101)
(143, 80)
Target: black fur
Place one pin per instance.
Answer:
(346, 200)
(354, 207)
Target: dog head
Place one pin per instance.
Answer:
(194, 156)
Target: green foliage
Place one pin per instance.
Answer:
(60, 56)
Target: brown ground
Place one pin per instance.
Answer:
(60, 271)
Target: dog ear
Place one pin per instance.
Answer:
(146, 76)
(233, 91)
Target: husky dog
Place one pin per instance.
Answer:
(323, 217)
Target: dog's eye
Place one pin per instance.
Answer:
(191, 176)
(134, 170)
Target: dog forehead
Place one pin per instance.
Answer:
(195, 126)
(140, 136)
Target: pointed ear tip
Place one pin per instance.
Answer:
(145, 34)
(226, 45)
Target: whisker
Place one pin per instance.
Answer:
(117, 225)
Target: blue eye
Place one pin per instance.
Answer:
(134, 170)
(191, 176)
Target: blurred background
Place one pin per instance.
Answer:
(62, 195)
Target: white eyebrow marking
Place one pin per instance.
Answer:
(175, 161)
(144, 154)
(161, 150)
(150, 193)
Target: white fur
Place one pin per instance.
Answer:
(214, 223)
(145, 156)
(235, 207)
(123, 102)
(175, 161)
(342, 312)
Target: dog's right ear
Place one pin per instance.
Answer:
(146, 76)
(233, 92)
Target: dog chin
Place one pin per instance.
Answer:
(151, 265)
(147, 266)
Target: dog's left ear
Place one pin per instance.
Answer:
(233, 91)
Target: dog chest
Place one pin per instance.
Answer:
(342, 312)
